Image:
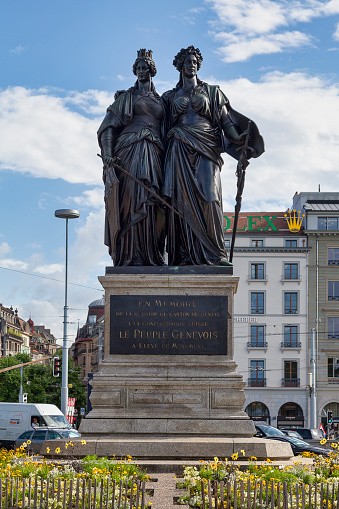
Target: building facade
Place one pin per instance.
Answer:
(270, 313)
(87, 348)
(14, 331)
(321, 222)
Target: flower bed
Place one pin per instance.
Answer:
(28, 481)
(307, 486)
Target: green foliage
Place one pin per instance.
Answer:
(10, 380)
(43, 387)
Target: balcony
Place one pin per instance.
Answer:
(289, 311)
(291, 345)
(257, 345)
(256, 382)
(290, 382)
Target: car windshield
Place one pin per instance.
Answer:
(69, 434)
(56, 421)
(270, 431)
(297, 441)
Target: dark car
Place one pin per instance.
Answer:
(311, 435)
(37, 437)
(300, 446)
(291, 433)
(264, 430)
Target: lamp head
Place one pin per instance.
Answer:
(67, 213)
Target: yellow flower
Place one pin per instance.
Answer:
(216, 458)
(268, 460)
(83, 442)
(57, 450)
(66, 445)
(242, 452)
(29, 442)
(234, 456)
(24, 444)
(323, 441)
(48, 449)
(334, 445)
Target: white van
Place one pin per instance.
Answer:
(15, 418)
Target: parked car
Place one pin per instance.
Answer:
(292, 433)
(15, 418)
(311, 435)
(38, 436)
(264, 430)
(300, 446)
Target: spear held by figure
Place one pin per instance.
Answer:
(113, 162)
(240, 173)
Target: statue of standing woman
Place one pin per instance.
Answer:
(201, 126)
(132, 134)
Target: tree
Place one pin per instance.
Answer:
(38, 382)
(76, 387)
(10, 380)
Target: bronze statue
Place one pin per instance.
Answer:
(201, 126)
(130, 136)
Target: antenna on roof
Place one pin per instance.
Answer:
(318, 188)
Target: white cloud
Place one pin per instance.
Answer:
(17, 50)
(4, 249)
(238, 48)
(253, 16)
(92, 198)
(250, 27)
(10, 263)
(336, 33)
(48, 269)
(301, 149)
(55, 142)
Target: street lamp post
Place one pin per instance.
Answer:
(65, 214)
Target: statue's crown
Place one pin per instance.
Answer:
(143, 53)
(294, 222)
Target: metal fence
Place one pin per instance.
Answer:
(268, 495)
(39, 493)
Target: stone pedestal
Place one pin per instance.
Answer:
(160, 312)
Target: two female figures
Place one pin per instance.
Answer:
(200, 125)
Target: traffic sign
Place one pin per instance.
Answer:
(82, 411)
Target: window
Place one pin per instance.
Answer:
(53, 435)
(257, 243)
(291, 374)
(257, 271)
(327, 223)
(333, 290)
(290, 336)
(92, 318)
(257, 335)
(291, 243)
(257, 370)
(26, 435)
(291, 303)
(333, 367)
(257, 303)
(333, 327)
(39, 435)
(333, 256)
(291, 271)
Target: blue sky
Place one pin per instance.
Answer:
(61, 62)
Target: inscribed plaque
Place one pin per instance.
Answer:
(171, 324)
